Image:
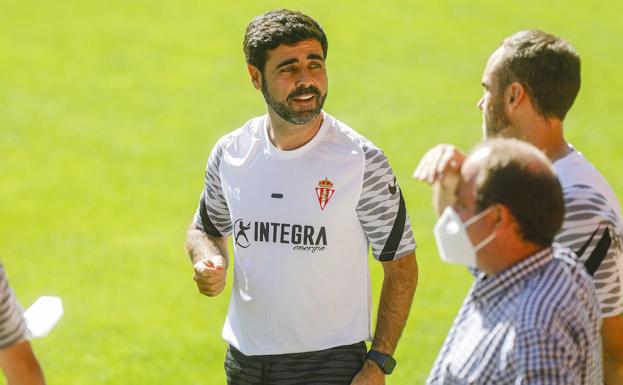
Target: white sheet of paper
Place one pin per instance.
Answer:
(42, 315)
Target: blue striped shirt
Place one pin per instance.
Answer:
(536, 322)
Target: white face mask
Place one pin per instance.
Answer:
(452, 240)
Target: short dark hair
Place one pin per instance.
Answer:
(277, 27)
(520, 177)
(546, 65)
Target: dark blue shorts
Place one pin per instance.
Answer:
(335, 366)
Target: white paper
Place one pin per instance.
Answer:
(42, 315)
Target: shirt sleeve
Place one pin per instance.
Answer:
(12, 324)
(381, 209)
(592, 230)
(212, 214)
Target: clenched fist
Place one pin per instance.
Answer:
(210, 275)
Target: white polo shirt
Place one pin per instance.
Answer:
(302, 222)
(592, 228)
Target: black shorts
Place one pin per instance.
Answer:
(335, 366)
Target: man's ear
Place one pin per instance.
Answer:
(256, 76)
(505, 219)
(514, 95)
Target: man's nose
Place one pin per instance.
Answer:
(304, 78)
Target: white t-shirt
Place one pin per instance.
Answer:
(12, 324)
(592, 228)
(302, 222)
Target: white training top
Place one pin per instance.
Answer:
(302, 222)
(592, 228)
(12, 324)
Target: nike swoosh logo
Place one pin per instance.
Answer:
(392, 188)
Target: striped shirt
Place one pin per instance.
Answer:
(536, 322)
(12, 325)
(302, 222)
(592, 228)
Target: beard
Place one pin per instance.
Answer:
(284, 108)
(495, 123)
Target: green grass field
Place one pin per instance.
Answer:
(108, 111)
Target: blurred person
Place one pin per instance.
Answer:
(530, 83)
(17, 359)
(529, 318)
(303, 196)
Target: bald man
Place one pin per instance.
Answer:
(529, 318)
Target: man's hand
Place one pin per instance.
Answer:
(439, 161)
(210, 275)
(440, 166)
(370, 374)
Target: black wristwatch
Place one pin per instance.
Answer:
(385, 361)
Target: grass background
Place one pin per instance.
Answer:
(108, 111)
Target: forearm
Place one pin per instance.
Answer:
(200, 245)
(399, 285)
(20, 365)
(612, 336)
(613, 369)
(26, 376)
(444, 192)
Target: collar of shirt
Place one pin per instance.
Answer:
(487, 288)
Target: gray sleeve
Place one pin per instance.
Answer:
(212, 215)
(381, 208)
(12, 324)
(592, 231)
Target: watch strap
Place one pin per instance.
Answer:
(386, 362)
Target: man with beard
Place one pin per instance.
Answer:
(530, 82)
(311, 195)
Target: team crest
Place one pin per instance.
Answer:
(324, 191)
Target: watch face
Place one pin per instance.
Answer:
(389, 364)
